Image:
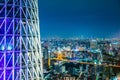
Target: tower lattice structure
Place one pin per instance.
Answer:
(20, 50)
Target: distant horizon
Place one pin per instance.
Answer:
(57, 37)
(81, 36)
(115, 35)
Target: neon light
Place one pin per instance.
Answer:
(2, 47)
(9, 47)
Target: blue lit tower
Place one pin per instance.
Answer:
(20, 50)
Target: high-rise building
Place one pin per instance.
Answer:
(93, 44)
(20, 50)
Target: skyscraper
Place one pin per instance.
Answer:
(20, 50)
(93, 44)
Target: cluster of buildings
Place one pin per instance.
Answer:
(73, 56)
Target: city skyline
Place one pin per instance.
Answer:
(75, 18)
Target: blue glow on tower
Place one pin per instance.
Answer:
(2, 47)
(9, 47)
(20, 50)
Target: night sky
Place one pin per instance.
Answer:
(73, 18)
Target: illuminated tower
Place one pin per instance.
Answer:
(20, 50)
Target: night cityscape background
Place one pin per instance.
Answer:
(73, 18)
(80, 39)
(59, 39)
